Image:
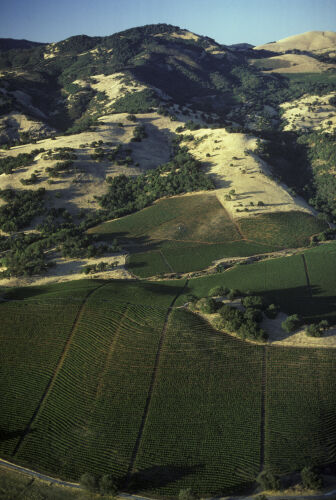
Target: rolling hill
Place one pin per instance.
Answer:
(141, 174)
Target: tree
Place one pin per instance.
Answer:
(272, 311)
(233, 294)
(218, 291)
(317, 330)
(253, 301)
(291, 323)
(107, 485)
(207, 305)
(89, 481)
(268, 481)
(310, 479)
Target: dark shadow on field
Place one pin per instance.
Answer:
(162, 289)
(8, 435)
(159, 476)
(134, 244)
(307, 302)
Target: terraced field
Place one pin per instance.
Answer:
(187, 233)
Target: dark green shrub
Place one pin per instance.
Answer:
(218, 291)
(310, 479)
(89, 482)
(291, 323)
(253, 315)
(233, 294)
(268, 481)
(317, 330)
(253, 301)
(206, 305)
(272, 311)
(108, 485)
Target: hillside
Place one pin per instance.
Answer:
(167, 263)
(312, 41)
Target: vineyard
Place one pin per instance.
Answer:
(300, 408)
(284, 281)
(187, 233)
(203, 427)
(115, 378)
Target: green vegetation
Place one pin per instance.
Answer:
(129, 194)
(20, 208)
(14, 485)
(107, 367)
(291, 323)
(222, 455)
(283, 282)
(300, 403)
(268, 481)
(142, 101)
(60, 169)
(188, 233)
(317, 330)
(321, 151)
(310, 479)
(244, 324)
(10, 163)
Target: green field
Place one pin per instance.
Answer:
(284, 281)
(159, 398)
(300, 408)
(188, 233)
(203, 427)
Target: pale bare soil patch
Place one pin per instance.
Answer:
(13, 124)
(72, 269)
(227, 160)
(293, 63)
(316, 41)
(114, 86)
(310, 112)
(183, 35)
(88, 179)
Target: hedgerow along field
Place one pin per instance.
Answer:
(187, 233)
(194, 420)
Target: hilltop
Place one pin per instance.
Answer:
(78, 114)
(311, 41)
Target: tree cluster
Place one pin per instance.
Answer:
(129, 194)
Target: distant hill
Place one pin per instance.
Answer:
(12, 43)
(311, 41)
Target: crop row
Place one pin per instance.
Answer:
(300, 408)
(203, 426)
(91, 418)
(32, 338)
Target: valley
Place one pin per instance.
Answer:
(152, 182)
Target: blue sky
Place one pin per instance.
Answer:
(227, 21)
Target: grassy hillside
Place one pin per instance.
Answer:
(188, 233)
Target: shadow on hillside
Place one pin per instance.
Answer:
(8, 435)
(159, 476)
(307, 302)
(133, 244)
